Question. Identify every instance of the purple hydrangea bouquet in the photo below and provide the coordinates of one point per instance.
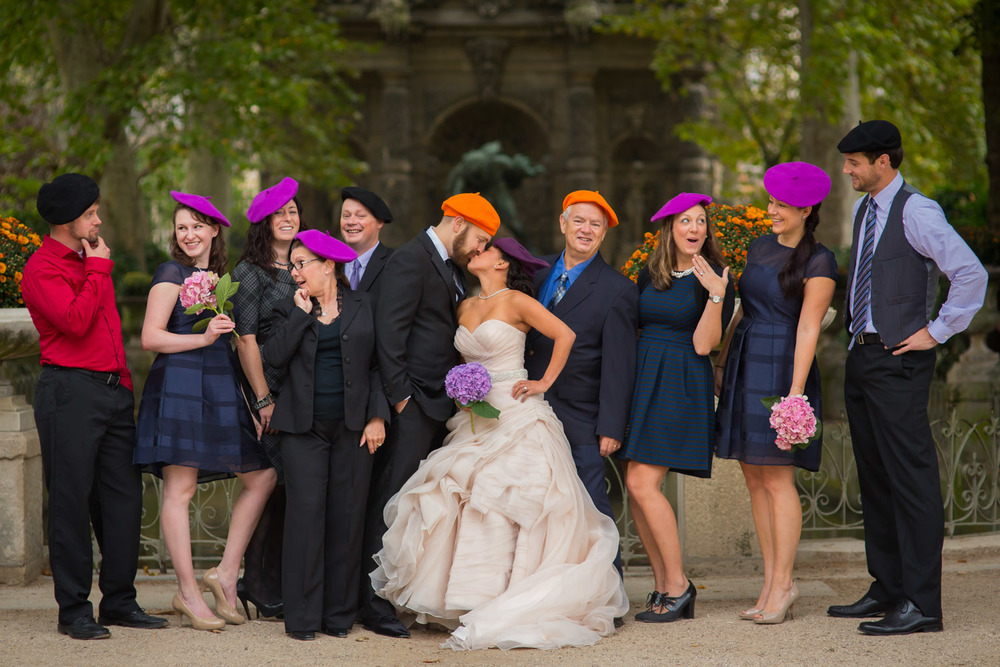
(468, 385)
(205, 290)
(794, 420)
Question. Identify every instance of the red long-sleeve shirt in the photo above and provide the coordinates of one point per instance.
(72, 304)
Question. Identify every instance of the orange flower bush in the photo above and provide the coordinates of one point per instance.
(17, 242)
(735, 228)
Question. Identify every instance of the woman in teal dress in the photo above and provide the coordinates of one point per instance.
(785, 291)
(684, 304)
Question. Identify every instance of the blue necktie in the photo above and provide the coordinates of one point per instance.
(863, 276)
(560, 290)
(355, 272)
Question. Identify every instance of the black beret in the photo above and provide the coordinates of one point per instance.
(871, 135)
(370, 200)
(66, 198)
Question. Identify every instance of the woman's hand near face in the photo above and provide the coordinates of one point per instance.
(301, 298)
(709, 279)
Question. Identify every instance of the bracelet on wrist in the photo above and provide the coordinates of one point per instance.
(264, 402)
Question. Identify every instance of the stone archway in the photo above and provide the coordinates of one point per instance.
(470, 125)
(639, 179)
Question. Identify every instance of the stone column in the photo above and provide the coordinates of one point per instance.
(20, 490)
(715, 521)
(977, 369)
(397, 166)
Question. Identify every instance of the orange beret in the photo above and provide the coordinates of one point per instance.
(473, 208)
(591, 197)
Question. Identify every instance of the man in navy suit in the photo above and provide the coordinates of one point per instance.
(593, 393)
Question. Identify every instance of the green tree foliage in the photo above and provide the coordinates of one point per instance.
(128, 90)
(917, 65)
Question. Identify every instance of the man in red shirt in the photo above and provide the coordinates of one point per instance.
(84, 413)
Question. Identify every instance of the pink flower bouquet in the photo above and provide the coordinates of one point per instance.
(205, 290)
(468, 385)
(794, 420)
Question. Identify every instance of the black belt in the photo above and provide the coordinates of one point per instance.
(113, 379)
(868, 339)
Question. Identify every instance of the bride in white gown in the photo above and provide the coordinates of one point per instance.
(495, 537)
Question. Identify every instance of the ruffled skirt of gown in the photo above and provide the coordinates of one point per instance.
(495, 537)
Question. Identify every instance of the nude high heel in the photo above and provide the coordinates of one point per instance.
(197, 622)
(210, 582)
(787, 610)
(748, 614)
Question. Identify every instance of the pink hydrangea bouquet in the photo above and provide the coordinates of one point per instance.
(468, 385)
(205, 290)
(794, 420)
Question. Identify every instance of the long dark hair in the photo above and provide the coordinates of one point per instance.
(517, 277)
(663, 259)
(793, 273)
(217, 257)
(259, 248)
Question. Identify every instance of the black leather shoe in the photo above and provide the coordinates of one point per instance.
(84, 627)
(137, 619)
(302, 635)
(866, 607)
(389, 626)
(905, 619)
(619, 621)
(681, 606)
(335, 632)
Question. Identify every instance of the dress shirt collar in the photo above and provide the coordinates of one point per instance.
(437, 244)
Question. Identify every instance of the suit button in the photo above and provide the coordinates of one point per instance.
(344, 337)
(347, 360)
(531, 353)
(348, 383)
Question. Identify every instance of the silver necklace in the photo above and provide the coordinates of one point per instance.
(494, 293)
(681, 274)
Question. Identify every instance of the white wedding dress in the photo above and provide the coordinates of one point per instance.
(495, 537)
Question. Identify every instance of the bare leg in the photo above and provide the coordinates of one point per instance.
(760, 506)
(257, 487)
(179, 483)
(786, 528)
(642, 527)
(643, 481)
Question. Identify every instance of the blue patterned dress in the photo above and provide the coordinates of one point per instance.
(761, 359)
(672, 420)
(193, 412)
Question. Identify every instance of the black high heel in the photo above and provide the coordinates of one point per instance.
(681, 606)
(274, 610)
(653, 600)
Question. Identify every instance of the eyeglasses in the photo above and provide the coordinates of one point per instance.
(299, 265)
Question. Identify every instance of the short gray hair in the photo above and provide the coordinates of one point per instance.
(565, 214)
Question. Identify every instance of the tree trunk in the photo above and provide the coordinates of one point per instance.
(989, 37)
(820, 136)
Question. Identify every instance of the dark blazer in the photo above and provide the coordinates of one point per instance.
(371, 282)
(416, 321)
(292, 344)
(601, 307)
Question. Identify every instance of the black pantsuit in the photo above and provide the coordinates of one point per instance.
(326, 475)
(886, 400)
(86, 430)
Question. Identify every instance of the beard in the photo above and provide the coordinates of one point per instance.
(460, 254)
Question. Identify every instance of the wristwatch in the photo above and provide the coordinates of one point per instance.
(264, 402)
(715, 298)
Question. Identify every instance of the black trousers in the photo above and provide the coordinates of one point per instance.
(326, 485)
(897, 463)
(411, 437)
(86, 430)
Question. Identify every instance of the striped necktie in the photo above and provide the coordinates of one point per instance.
(560, 290)
(863, 275)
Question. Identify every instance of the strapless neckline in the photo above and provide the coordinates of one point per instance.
(472, 332)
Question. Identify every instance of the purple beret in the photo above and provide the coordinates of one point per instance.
(797, 183)
(528, 262)
(271, 199)
(323, 245)
(200, 204)
(681, 203)
(66, 198)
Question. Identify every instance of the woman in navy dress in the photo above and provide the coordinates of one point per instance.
(193, 417)
(785, 291)
(265, 279)
(685, 301)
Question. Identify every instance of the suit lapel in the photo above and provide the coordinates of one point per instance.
(375, 265)
(446, 275)
(581, 287)
(350, 308)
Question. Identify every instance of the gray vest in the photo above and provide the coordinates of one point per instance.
(904, 282)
